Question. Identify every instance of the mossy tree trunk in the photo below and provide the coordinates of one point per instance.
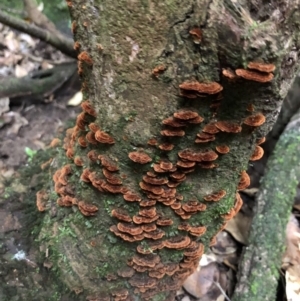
(120, 44)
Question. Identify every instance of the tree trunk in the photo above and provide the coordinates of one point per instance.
(133, 58)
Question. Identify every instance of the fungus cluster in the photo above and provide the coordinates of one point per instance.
(256, 71)
(148, 226)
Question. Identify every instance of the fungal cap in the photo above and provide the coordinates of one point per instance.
(244, 181)
(263, 67)
(185, 115)
(216, 196)
(196, 34)
(211, 128)
(229, 73)
(228, 126)
(139, 157)
(222, 149)
(166, 146)
(255, 120)
(254, 75)
(172, 133)
(121, 214)
(103, 137)
(131, 197)
(178, 242)
(206, 88)
(257, 154)
(170, 121)
(260, 140)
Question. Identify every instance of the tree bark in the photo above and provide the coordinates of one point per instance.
(122, 44)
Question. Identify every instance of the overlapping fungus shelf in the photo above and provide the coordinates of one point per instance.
(152, 142)
(178, 242)
(139, 157)
(166, 146)
(155, 180)
(255, 120)
(257, 154)
(108, 163)
(121, 214)
(262, 67)
(197, 231)
(87, 209)
(84, 57)
(228, 126)
(185, 115)
(93, 155)
(172, 133)
(254, 75)
(173, 122)
(211, 128)
(244, 181)
(205, 88)
(104, 138)
(90, 137)
(260, 140)
(215, 197)
(222, 149)
(158, 70)
(88, 108)
(204, 138)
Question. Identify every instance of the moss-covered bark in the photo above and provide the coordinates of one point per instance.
(260, 267)
(120, 45)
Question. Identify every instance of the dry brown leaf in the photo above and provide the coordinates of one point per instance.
(292, 279)
(239, 227)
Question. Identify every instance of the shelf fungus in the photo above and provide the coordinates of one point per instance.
(262, 67)
(255, 120)
(108, 163)
(178, 242)
(103, 137)
(260, 141)
(87, 209)
(166, 146)
(172, 133)
(210, 128)
(204, 138)
(90, 137)
(215, 197)
(257, 154)
(84, 57)
(230, 74)
(185, 115)
(158, 70)
(203, 88)
(244, 181)
(222, 149)
(196, 34)
(121, 214)
(254, 75)
(139, 157)
(41, 200)
(88, 108)
(228, 126)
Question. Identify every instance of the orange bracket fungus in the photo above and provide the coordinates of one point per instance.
(139, 157)
(228, 126)
(196, 33)
(262, 67)
(222, 149)
(257, 154)
(244, 181)
(103, 137)
(255, 120)
(205, 88)
(254, 75)
(84, 57)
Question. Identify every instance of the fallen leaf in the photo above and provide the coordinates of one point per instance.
(75, 100)
(239, 227)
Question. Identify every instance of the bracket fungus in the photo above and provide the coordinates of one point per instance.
(204, 88)
(244, 181)
(84, 57)
(262, 67)
(254, 75)
(139, 157)
(216, 196)
(255, 120)
(222, 149)
(185, 115)
(103, 137)
(173, 133)
(228, 127)
(257, 154)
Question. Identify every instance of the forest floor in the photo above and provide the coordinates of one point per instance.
(28, 126)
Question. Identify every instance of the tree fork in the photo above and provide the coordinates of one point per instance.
(133, 59)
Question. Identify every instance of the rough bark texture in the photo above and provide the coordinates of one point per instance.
(259, 268)
(120, 44)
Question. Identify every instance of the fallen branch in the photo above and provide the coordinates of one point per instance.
(259, 268)
(62, 43)
(37, 85)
